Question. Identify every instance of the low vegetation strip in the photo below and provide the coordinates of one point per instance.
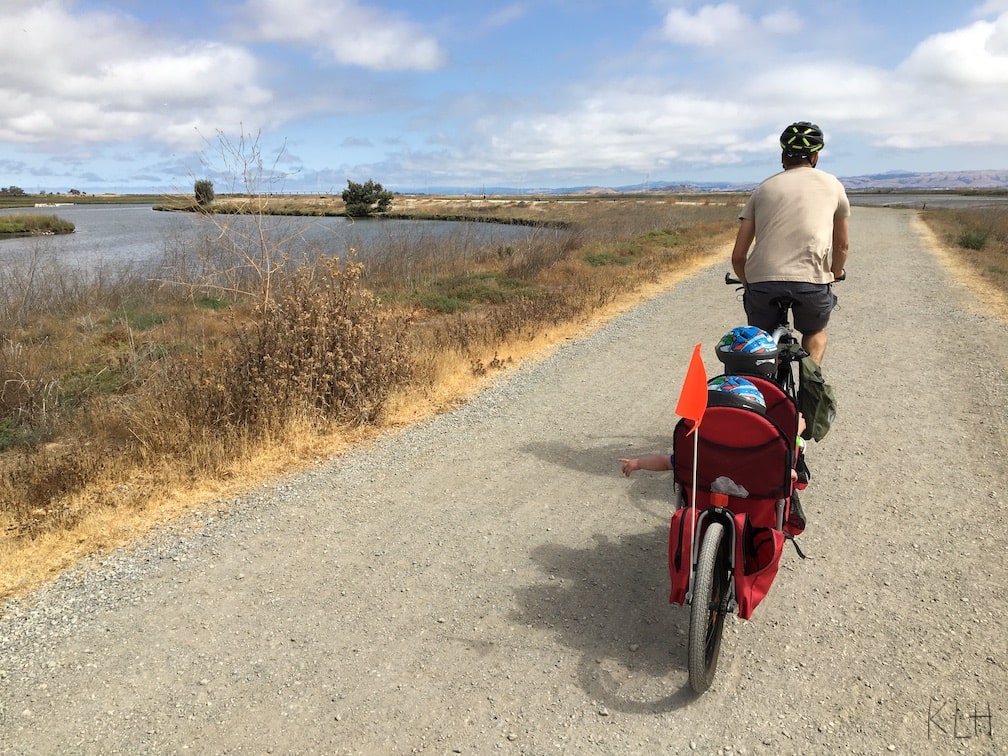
(26, 224)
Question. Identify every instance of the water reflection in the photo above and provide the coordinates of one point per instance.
(120, 236)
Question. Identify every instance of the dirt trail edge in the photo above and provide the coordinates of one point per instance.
(489, 581)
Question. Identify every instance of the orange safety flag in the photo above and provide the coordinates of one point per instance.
(693, 397)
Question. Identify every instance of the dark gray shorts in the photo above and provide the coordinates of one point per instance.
(811, 311)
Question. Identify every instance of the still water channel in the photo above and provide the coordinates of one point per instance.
(924, 200)
(116, 236)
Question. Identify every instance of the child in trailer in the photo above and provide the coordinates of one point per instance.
(737, 391)
(750, 352)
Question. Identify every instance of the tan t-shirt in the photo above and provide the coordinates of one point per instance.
(794, 212)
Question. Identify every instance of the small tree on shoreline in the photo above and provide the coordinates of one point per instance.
(362, 200)
(204, 191)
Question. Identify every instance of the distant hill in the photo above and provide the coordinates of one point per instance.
(904, 180)
(889, 181)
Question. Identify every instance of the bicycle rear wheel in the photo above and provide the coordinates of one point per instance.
(708, 606)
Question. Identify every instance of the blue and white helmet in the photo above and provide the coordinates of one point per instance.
(748, 350)
(735, 391)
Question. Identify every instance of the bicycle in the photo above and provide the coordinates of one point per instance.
(735, 508)
(782, 335)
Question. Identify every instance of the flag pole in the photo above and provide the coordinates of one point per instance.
(693, 513)
(691, 406)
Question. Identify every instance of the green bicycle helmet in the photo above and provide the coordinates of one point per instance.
(801, 140)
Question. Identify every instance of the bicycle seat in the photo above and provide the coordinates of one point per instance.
(784, 302)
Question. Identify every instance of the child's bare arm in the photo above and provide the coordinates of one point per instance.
(654, 463)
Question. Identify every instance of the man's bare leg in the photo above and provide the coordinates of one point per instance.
(815, 345)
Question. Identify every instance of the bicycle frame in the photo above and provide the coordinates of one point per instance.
(783, 335)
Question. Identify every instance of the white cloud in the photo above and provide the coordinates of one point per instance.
(949, 91)
(97, 77)
(627, 127)
(707, 27)
(973, 57)
(998, 43)
(724, 24)
(347, 32)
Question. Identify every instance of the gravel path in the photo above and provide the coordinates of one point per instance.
(488, 581)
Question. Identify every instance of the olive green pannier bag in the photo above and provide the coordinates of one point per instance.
(816, 400)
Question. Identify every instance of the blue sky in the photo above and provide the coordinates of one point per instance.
(302, 95)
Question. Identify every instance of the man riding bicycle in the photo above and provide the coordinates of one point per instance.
(798, 219)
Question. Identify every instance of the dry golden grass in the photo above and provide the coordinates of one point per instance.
(104, 474)
(974, 244)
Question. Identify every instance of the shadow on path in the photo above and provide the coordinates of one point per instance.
(609, 603)
(646, 491)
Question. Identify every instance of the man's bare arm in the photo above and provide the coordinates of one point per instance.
(839, 246)
(743, 240)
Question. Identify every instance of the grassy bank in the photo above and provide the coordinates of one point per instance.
(979, 239)
(28, 224)
(131, 396)
(30, 200)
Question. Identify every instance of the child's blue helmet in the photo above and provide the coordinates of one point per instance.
(735, 391)
(748, 350)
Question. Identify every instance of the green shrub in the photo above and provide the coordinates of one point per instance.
(973, 239)
(362, 200)
(440, 303)
(141, 320)
(8, 433)
(458, 293)
(485, 287)
(77, 386)
(203, 189)
(665, 238)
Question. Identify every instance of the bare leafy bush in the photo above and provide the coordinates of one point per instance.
(321, 352)
(322, 346)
